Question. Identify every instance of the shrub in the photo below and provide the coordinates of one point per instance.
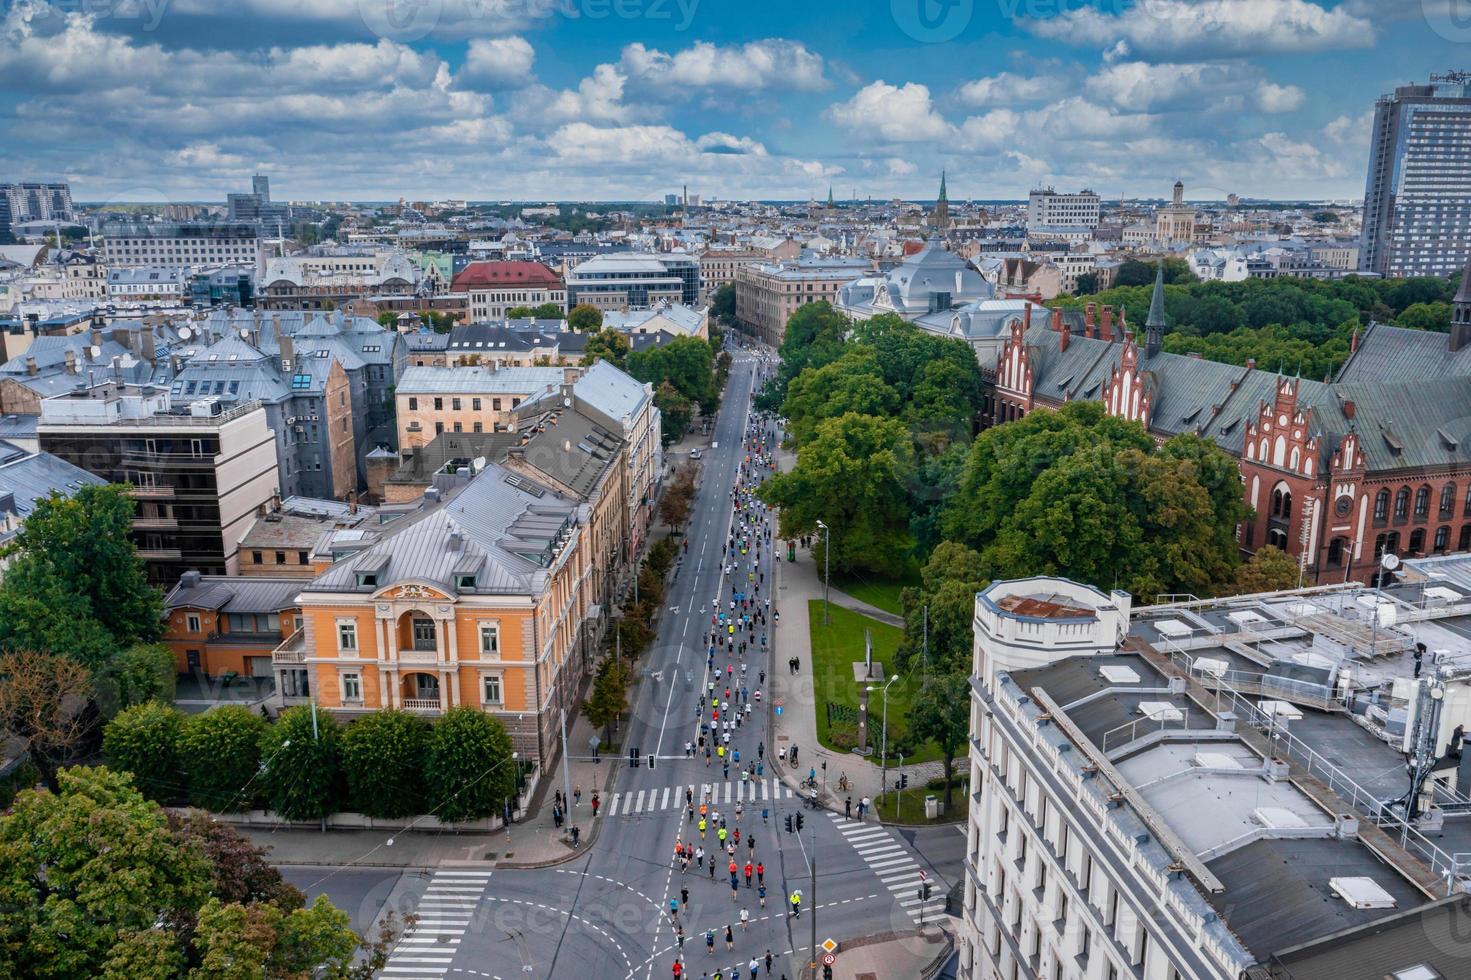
(144, 740)
(142, 672)
(219, 752)
(301, 764)
(467, 766)
(383, 760)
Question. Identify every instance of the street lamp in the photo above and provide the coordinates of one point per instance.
(827, 554)
(884, 739)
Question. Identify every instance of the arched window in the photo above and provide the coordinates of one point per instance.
(1335, 551)
(1277, 537)
(1464, 542)
(1447, 498)
(1379, 543)
(1402, 504)
(1392, 544)
(1442, 539)
(1422, 502)
(1381, 505)
(1417, 541)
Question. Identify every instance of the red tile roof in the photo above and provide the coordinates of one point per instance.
(484, 275)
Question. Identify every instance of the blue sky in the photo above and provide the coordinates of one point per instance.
(630, 99)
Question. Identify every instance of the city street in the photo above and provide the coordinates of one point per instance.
(607, 912)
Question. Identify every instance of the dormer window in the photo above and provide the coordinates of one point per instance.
(465, 583)
(367, 580)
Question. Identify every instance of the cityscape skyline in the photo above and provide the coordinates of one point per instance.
(569, 101)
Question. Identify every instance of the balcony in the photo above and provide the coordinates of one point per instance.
(421, 704)
(155, 524)
(160, 554)
(292, 650)
(152, 493)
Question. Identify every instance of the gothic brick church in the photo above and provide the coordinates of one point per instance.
(1338, 473)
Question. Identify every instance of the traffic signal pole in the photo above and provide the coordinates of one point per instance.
(813, 864)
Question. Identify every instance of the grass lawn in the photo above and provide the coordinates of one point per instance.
(879, 592)
(835, 648)
(913, 805)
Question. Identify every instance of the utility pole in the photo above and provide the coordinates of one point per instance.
(566, 767)
(813, 883)
(316, 736)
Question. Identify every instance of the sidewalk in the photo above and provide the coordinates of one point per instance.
(917, 953)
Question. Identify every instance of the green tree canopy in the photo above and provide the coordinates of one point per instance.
(468, 769)
(301, 755)
(723, 304)
(1269, 570)
(584, 317)
(941, 714)
(1079, 494)
(853, 382)
(815, 334)
(143, 740)
(75, 584)
(939, 614)
(219, 752)
(850, 475)
(383, 755)
(606, 345)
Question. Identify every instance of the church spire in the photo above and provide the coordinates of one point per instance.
(829, 197)
(940, 216)
(942, 196)
(1154, 326)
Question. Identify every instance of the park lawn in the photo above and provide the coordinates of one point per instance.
(835, 648)
(878, 592)
(889, 811)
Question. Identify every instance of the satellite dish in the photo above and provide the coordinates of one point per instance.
(1389, 562)
(185, 333)
(95, 351)
(244, 334)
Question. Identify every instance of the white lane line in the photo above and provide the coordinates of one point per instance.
(639, 806)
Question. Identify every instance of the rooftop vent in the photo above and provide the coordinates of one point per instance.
(1116, 674)
(1276, 818)
(1361, 893)
(1160, 711)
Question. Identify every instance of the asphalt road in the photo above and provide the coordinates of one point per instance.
(606, 914)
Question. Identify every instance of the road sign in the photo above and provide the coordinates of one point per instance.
(829, 946)
(778, 709)
(828, 959)
(594, 741)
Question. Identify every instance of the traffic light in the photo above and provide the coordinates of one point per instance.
(789, 823)
(799, 821)
(827, 972)
(651, 760)
(924, 890)
(903, 780)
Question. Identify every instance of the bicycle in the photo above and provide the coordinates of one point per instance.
(809, 783)
(843, 782)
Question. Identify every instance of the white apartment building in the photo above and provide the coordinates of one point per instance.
(1149, 802)
(1046, 207)
(180, 245)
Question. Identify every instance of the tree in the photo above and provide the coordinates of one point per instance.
(1087, 284)
(1269, 570)
(83, 868)
(219, 753)
(74, 566)
(940, 713)
(468, 769)
(939, 615)
(584, 317)
(239, 870)
(383, 758)
(606, 345)
(853, 382)
(143, 740)
(548, 311)
(44, 701)
(301, 753)
(264, 940)
(679, 497)
(1134, 272)
(723, 304)
(1426, 316)
(675, 412)
(850, 476)
(609, 697)
(815, 334)
(143, 672)
(519, 313)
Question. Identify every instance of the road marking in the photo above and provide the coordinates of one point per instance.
(664, 803)
(445, 910)
(640, 804)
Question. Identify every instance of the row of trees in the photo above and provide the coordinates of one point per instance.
(389, 764)
(100, 882)
(1299, 325)
(686, 374)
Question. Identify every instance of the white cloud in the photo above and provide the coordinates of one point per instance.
(726, 143)
(991, 131)
(899, 168)
(599, 97)
(1222, 27)
(1279, 98)
(1006, 89)
(897, 114)
(204, 155)
(773, 63)
(1140, 87)
(500, 61)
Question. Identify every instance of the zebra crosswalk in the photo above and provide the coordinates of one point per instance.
(891, 861)
(426, 951)
(719, 794)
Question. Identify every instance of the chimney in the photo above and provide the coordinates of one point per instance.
(570, 375)
(96, 336)
(1027, 318)
(1251, 364)
(31, 368)
(146, 341)
(71, 361)
(352, 501)
(276, 325)
(1089, 311)
(288, 350)
(1353, 341)
(1057, 320)
(1064, 336)
(1105, 328)
(1348, 409)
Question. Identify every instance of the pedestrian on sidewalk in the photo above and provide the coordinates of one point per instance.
(848, 808)
(577, 795)
(595, 803)
(556, 816)
(768, 962)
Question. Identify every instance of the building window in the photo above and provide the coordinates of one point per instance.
(193, 623)
(301, 558)
(1422, 501)
(413, 404)
(255, 557)
(280, 558)
(1402, 504)
(1448, 498)
(352, 687)
(1335, 551)
(1417, 541)
(490, 639)
(439, 404)
(1442, 539)
(491, 687)
(454, 403)
(347, 634)
(1381, 505)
